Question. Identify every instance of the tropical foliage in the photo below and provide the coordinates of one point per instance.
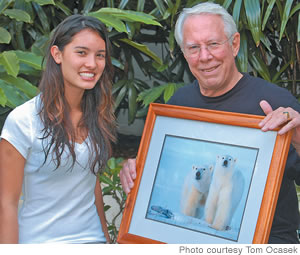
(112, 191)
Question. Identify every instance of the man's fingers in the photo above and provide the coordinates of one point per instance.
(128, 174)
(266, 107)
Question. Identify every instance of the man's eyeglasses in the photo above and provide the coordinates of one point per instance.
(194, 50)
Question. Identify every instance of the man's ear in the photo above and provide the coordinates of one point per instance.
(236, 44)
(56, 54)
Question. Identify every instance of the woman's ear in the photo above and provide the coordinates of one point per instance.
(56, 54)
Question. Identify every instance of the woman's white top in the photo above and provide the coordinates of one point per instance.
(58, 204)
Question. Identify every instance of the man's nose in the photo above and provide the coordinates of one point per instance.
(204, 53)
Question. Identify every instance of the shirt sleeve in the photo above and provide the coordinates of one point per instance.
(17, 130)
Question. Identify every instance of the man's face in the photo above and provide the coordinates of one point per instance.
(213, 64)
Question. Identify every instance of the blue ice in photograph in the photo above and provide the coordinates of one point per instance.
(178, 157)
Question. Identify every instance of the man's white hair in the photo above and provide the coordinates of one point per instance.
(205, 8)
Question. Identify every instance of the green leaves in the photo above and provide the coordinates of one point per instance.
(18, 15)
(42, 2)
(16, 90)
(115, 18)
(285, 16)
(127, 91)
(110, 178)
(143, 48)
(10, 62)
(151, 95)
(4, 36)
(253, 14)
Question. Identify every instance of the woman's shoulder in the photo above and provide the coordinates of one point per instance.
(26, 112)
(28, 108)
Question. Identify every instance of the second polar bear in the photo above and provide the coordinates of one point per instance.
(223, 196)
(195, 190)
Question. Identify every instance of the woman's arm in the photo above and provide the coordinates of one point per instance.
(11, 179)
(100, 208)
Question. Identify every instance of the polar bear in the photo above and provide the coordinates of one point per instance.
(224, 194)
(195, 190)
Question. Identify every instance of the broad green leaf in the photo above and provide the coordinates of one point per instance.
(4, 4)
(169, 91)
(130, 15)
(150, 95)
(174, 12)
(242, 56)
(274, 79)
(30, 59)
(18, 15)
(120, 96)
(254, 19)
(19, 35)
(132, 104)
(143, 48)
(10, 62)
(3, 98)
(63, 8)
(171, 41)
(109, 20)
(265, 40)
(39, 47)
(13, 95)
(42, 2)
(106, 180)
(226, 4)
(118, 85)
(259, 65)
(141, 112)
(42, 17)
(111, 163)
(295, 9)
(4, 36)
(285, 17)
(28, 70)
(267, 13)
(106, 190)
(21, 84)
(236, 12)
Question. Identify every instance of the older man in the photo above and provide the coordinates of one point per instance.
(210, 42)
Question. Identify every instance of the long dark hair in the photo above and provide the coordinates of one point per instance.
(97, 103)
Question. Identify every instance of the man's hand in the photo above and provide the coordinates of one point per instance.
(287, 117)
(128, 175)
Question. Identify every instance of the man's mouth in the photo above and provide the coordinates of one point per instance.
(209, 69)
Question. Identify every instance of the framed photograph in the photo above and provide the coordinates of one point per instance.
(204, 176)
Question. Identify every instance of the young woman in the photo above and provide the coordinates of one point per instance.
(53, 146)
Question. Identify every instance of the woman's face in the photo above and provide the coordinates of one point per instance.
(82, 61)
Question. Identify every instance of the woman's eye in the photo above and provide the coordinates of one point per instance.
(101, 55)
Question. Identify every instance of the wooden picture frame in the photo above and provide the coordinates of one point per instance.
(174, 139)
